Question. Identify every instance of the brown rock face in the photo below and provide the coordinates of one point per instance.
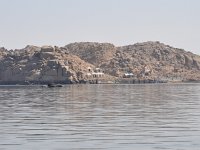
(94, 53)
(162, 61)
(148, 60)
(41, 65)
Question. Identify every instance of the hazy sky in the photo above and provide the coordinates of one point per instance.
(121, 22)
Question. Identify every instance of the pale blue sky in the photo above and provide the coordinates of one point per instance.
(121, 22)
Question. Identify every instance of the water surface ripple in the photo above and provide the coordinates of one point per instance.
(102, 117)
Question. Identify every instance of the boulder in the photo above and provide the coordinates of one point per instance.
(45, 49)
(47, 55)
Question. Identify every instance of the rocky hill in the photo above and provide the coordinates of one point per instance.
(94, 53)
(68, 64)
(150, 60)
(40, 65)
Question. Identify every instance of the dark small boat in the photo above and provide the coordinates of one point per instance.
(51, 85)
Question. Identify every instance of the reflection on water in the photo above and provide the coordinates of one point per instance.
(114, 117)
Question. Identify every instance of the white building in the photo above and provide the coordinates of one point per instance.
(96, 73)
(128, 75)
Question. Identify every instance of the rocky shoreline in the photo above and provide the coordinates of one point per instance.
(96, 81)
(89, 62)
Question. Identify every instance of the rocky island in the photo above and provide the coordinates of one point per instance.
(98, 63)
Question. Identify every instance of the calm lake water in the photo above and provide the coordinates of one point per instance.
(100, 117)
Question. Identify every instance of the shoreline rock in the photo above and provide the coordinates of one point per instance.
(146, 61)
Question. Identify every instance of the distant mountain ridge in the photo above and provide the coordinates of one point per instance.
(147, 60)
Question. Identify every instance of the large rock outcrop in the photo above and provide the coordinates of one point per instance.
(94, 53)
(148, 60)
(145, 60)
(41, 65)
